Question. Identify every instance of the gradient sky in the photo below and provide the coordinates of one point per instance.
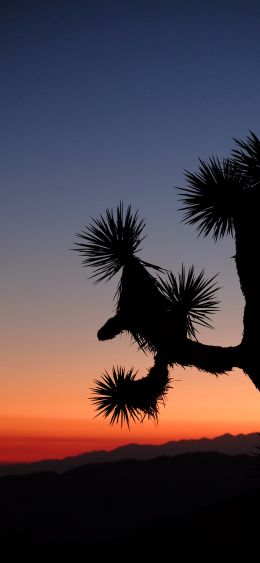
(102, 102)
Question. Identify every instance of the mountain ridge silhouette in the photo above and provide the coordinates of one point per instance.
(227, 443)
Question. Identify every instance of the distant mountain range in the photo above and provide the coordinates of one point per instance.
(227, 444)
(185, 504)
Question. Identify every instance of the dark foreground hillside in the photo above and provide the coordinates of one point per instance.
(132, 509)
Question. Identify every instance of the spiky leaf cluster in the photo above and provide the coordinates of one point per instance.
(110, 241)
(191, 298)
(247, 157)
(210, 198)
(122, 398)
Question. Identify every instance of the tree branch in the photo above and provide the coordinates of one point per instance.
(213, 359)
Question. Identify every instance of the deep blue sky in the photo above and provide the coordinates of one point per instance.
(102, 102)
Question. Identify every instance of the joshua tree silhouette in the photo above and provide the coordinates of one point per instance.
(161, 310)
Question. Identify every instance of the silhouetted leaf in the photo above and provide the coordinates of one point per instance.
(211, 195)
(247, 157)
(191, 298)
(111, 242)
(122, 397)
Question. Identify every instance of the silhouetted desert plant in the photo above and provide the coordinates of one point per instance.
(161, 310)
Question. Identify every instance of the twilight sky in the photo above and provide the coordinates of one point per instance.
(103, 101)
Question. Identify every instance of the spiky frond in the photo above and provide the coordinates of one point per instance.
(209, 199)
(112, 395)
(191, 297)
(248, 158)
(110, 241)
(123, 398)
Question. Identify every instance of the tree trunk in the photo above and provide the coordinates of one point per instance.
(247, 260)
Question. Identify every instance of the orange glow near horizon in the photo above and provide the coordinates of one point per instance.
(26, 448)
(199, 405)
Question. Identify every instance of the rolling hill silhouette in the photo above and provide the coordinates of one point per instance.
(143, 505)
(227, 444)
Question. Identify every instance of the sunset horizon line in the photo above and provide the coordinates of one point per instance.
(29, 454)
